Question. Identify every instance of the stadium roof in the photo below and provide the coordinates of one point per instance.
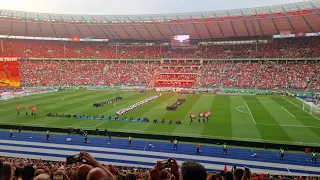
(302, 17)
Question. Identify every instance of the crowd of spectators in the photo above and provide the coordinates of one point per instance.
(188, 73)
(74, 73)
(261, 75)
(90, 169)
(240, 74)
(282, 48)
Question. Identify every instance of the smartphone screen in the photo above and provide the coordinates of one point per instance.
(74, 159)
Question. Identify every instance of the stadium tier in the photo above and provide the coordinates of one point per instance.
(260, 75)
(276, 48)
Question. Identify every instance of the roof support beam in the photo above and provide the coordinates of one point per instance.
(77, 26)
(288, 20)
(65, 27)
(205, 23)
(181, 26)
(124, 29)
(25, 21)
(245, 24)
(158, 28)
(145, 27)
(88, 27)
(168, 25)
(274, 23)
(137, 31)
(54, 31)
(111, 29)
(259, 23)
(195, 26)
(11, 24)
(219, 25)
(317, 12)
(232, 25)
(39, 24)
(114, 32)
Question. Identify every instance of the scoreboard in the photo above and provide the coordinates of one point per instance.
(180, 40)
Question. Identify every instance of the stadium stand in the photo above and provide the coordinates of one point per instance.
(277, 48)
(260, 75)
(73, 73)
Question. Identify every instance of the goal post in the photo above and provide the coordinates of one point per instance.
(315, 110)
(309, 107)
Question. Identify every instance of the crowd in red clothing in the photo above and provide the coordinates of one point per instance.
(74, 73)
(283, 48)
(267, 75)
(260, 75)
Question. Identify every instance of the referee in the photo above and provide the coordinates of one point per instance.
(175, 144)
(198, 148)
(11, 132)
(86, 137)
(314, 157)
(281, 153)
(129, 141)
(48, 135)
(225, 146)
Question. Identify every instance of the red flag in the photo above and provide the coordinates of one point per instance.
(75, 38)
(225, 168)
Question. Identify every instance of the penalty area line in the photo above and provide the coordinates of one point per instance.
(287, 111)
(300, 108)
(250, 112)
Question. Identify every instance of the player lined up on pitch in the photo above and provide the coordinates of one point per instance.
(204, 115)
(33, 110)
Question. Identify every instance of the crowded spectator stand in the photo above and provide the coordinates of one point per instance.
(178, 73)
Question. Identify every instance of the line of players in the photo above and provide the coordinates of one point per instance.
(175, 144)
(33, 110)
(204, 115)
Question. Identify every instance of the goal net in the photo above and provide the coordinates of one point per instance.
(312, 108)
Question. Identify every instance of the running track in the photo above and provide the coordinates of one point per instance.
(140, 154)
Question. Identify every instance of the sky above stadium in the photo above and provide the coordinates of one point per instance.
(121, 7)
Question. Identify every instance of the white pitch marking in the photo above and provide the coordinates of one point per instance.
(287, 111)
(240, 110)
(250, 111)
(300, 108)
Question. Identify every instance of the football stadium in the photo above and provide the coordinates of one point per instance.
(134, 96)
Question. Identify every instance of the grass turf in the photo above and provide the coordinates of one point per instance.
(239, 117)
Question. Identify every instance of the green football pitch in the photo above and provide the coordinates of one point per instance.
(274, 119)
